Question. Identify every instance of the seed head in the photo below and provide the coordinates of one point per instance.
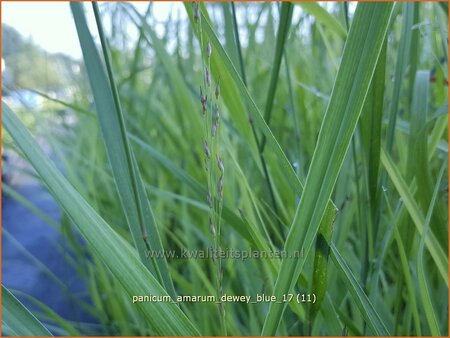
(208, 49)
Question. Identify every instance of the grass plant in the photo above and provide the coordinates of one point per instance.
(292, 127)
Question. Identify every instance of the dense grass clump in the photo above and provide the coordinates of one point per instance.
(250, 168)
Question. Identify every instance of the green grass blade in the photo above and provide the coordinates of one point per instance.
(370, 315)
(417, 147)
(35, 261)
(371, 120)
(229, 27)
(405, 267)
(17, 319)
(328, 311)
(285, 21)
(418, 164)
(361, 52)
(414, 53)
(138, 51)
(437, 132)
(282, 35)
(6, 189)
(402, 60)
(50, 314)
(424, 291)
(320, 270)
(238, 43)
(295, 114)
(435, 249)
(164, 318)
(325, 18)
(126, 173)
(370, 135)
